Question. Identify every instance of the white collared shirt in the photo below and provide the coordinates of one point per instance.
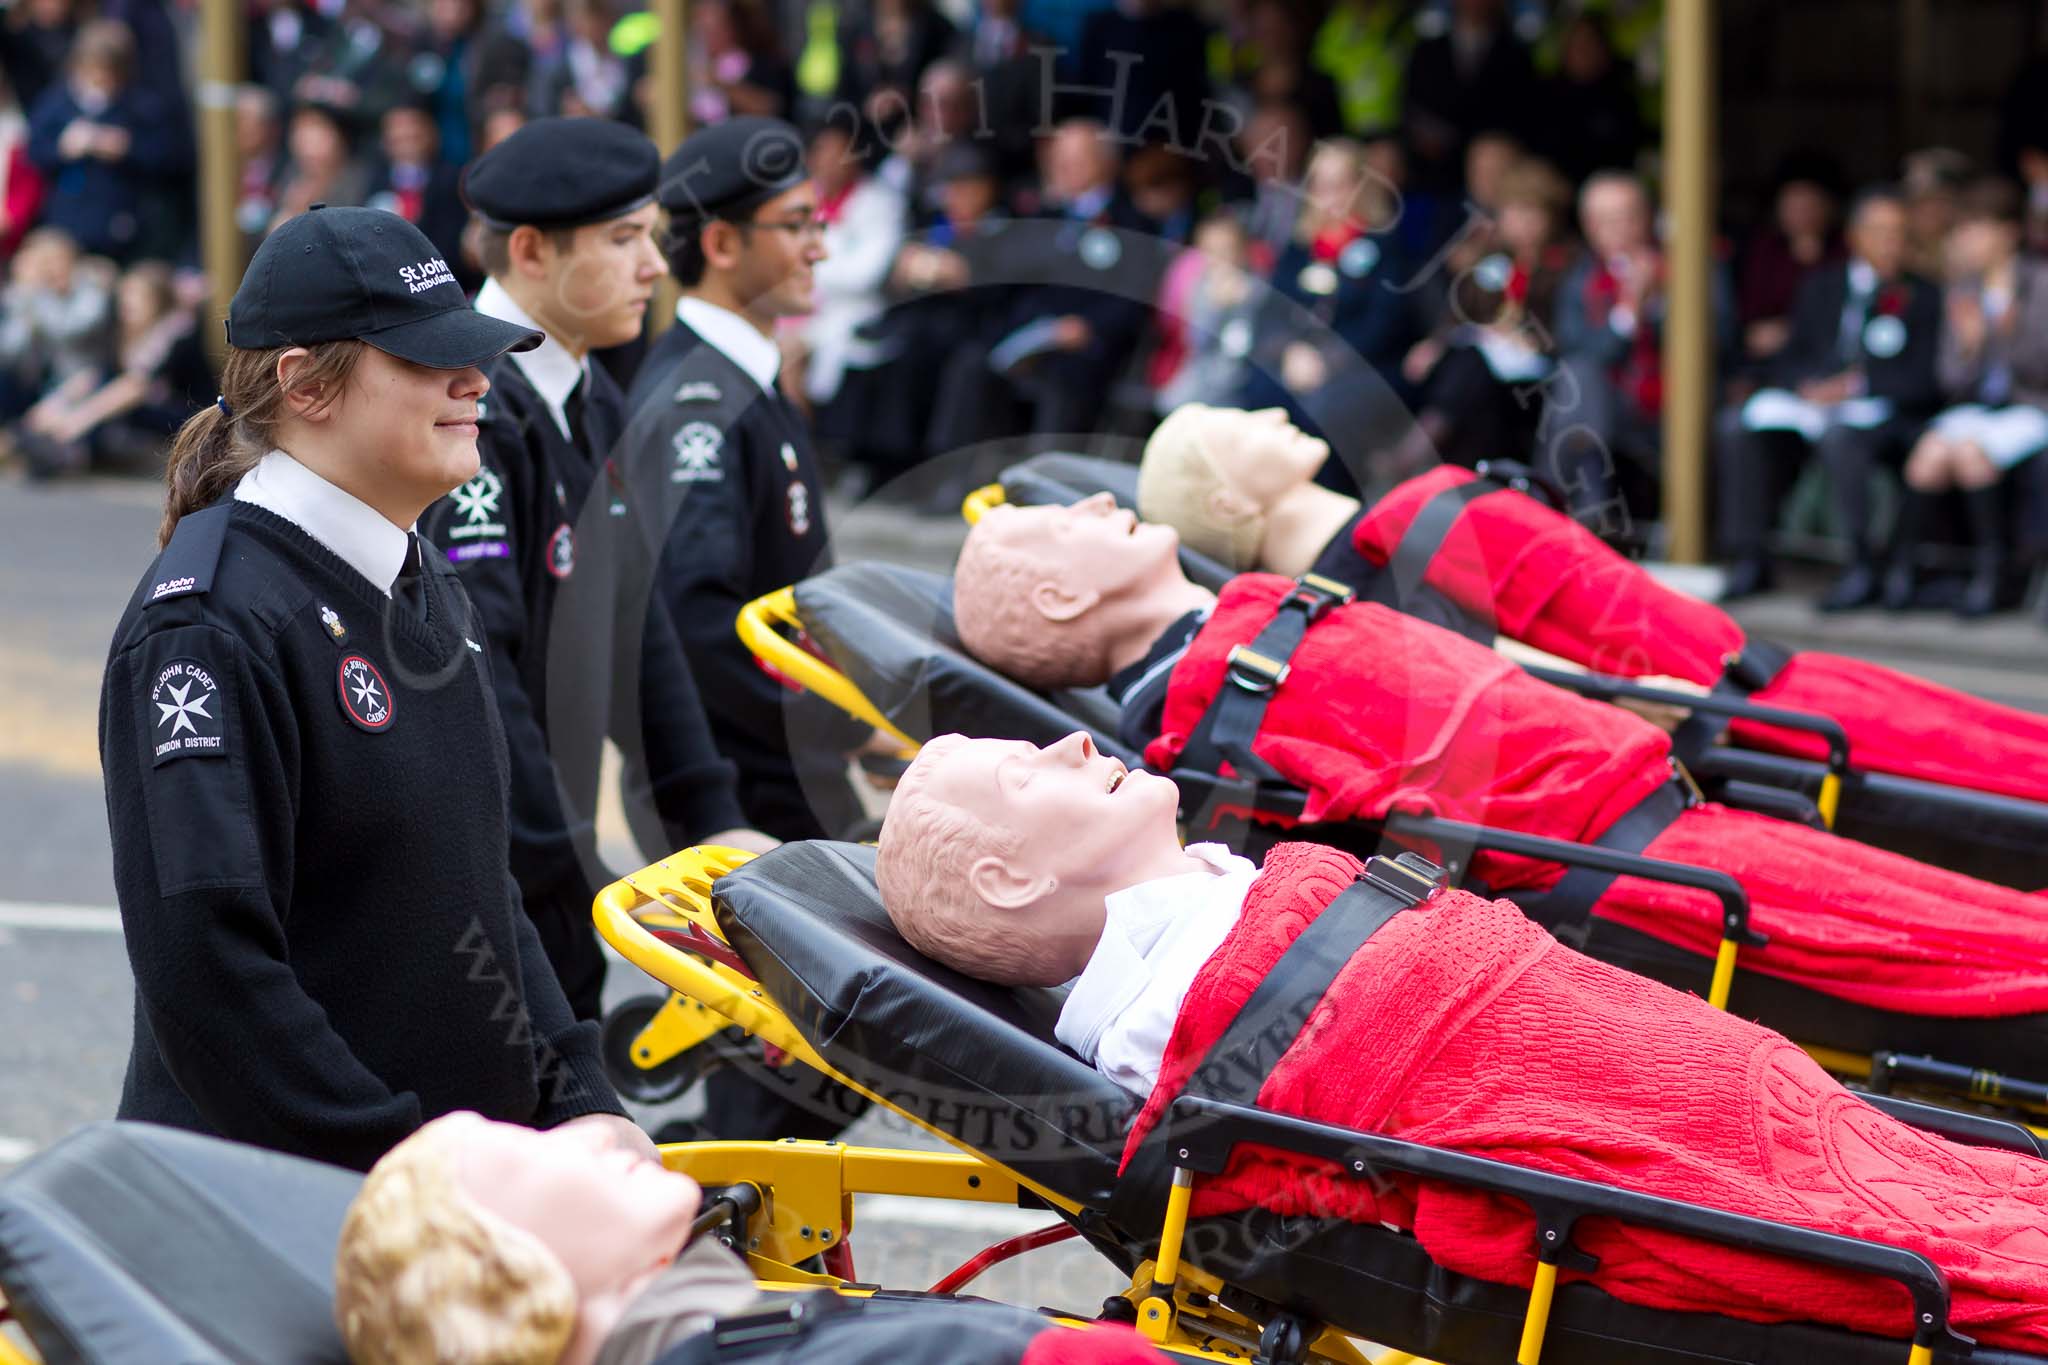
(366, 541)
(742, 344)
(549, 367)
(1155, 937)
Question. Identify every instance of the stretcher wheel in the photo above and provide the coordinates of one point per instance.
(659, 1084)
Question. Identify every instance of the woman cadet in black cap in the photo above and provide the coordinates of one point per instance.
(306, 778)
(548, 542)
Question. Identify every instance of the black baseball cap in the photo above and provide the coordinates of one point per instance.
(356, 274)
(562, 173)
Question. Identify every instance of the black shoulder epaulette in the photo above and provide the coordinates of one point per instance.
(187, 565)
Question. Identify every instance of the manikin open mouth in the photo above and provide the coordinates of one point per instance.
(1117, 778)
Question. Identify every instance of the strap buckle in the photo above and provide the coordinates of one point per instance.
(1315, 595)
(1409, 876)
(1254, 672)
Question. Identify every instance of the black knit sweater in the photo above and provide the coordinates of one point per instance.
(306, 783)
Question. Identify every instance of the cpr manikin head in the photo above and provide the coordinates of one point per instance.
(474, 1242)
(996, 854)
(1215, 474)
(1050, 595)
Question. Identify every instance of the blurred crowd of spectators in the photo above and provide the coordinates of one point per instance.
(1427, 228)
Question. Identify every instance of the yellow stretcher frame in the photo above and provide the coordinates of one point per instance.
(807, 1187)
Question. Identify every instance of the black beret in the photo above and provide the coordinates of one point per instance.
(731, 168)
(562, 173)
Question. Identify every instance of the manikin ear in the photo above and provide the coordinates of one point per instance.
(996, 883)
(1228, 507)
(1057, 602)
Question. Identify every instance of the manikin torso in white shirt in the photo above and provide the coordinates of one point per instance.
(1155, 937)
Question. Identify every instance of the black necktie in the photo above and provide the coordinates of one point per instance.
(407, 590)
(573, 409)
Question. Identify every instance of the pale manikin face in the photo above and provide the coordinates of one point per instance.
(1093, 551)
(1259, 458)
(1082, 824)
(611, 1217)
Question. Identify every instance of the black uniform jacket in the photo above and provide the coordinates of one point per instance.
(544, 540)
(743, 512)
(306, 788)
(1895, 347)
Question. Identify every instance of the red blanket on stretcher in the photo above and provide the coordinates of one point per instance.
(1547, 581)
(1462, 1025)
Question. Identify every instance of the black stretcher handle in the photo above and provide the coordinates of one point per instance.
(1600, 687)
(1971, 1130)
(1201, 1134)
(1734, 900)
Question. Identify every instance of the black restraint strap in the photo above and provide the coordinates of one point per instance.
(1236, 1067)
(1751, 671)
(1251, 677)
(1267, 1024)
(1566, 908)
(1424, 537)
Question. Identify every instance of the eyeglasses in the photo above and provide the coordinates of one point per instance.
(807, 227)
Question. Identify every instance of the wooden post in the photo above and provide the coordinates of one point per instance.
(1689, 324)
(220, 163)
(669, 70)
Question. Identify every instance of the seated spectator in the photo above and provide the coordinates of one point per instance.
(37, 44)
(1271, 152)
(412, 180)
(53, 319)
(1363, 47)
(1474, 76)
(22, 188)
(1853, 385)
(1208, 308)
(320, 168)
(1331, 330)
(1602, 440)
(100, 139)
(947, 111)
(125, 414)
(1282, 72)
(998, 51)
(864, 221)
(1164, 93)
(353, 67)
(1994, 372)
(1063, 380)
(259, 141)
(734, 65)
(585, 78)
(1590, 118)
(1160, 183)
(1029, 866)
(883, 55)
(1478, 373)
(1933, 181)
(1801, 237)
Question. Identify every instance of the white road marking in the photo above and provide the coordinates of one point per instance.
(76, 919)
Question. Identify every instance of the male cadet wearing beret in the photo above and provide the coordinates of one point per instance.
(715, 441)
(713, 436)
(545, 540)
